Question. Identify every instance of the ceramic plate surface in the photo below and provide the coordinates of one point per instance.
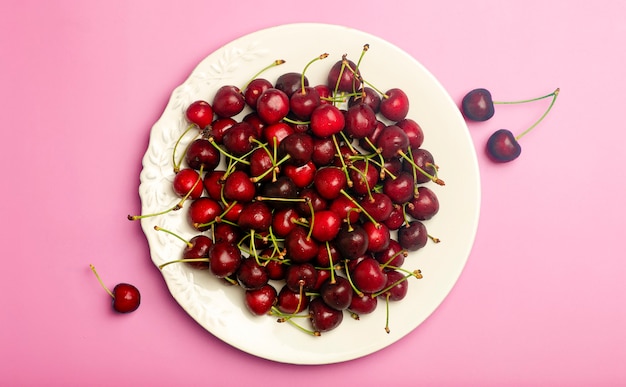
(220, 309)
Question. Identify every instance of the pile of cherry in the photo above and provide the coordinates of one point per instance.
(310, 202)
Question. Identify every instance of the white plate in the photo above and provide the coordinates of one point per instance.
(218, 308)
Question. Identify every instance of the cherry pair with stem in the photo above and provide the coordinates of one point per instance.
(502, 146)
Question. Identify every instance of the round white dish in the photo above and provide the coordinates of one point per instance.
(219, 308)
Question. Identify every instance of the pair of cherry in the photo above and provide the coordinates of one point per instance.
(502, 146)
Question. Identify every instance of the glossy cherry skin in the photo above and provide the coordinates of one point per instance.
(202, 211)
(352, 242)
(272, 106)
(477, 105)
(260, 301)
(502, 146)
(254, 89)
(368, 96)
(239, 187)
(391, 141)
(413, 130)
(228, 101)
(327, 120)
(325, 225)
(251, 275)
(238, 140)
(342, 78)
(291, 302)
(337, 294)
(363, 303)
(303, 175)
(394, 105)
(323, 317)
(200, 113)
(425, 205)
(255, 216)
(360, 121)
(368, 276)
(413, 236)
(188, 182)
(298, 147)
(329, 182)
(423, 159)
(225, 259)
(299, 247)
(290, 82)
(201, 153)
(378, 236)
(126, 298)
(301, 277)
(392, 255)
(399, 286)
(303, 102)
(401, 189)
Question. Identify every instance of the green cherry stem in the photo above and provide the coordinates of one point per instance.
(554, 94)
(526, 100)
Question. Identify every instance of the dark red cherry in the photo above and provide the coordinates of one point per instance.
(368, 96)
(502, 146)
(401, 189)
(299, 246)
(323, 151)
(225, 259)
(251, 275)
(284, 220)
(329, 182)
(290, 82)
(378, 236)
(364, 176)
(337, 294)
(378, 206)
(303, 102)
(352, 241)
(477, 105)
(254, 89)
(413, 236)
(399, 286)
(219, 127)
(323, 317)
(413, 130)
(291, 302)
(368, 276)
(391, 141)
(228, 101)
(423, 159)
(342, 78)
(393, 255)
(201, 153)
(126, 298)
(425, 205)
(298, 146)
(255, 216)
(238, 140)
(360, 121)
(198, 247)
(301, 277)
(363, 303)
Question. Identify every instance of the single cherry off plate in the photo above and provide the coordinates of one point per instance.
(220, 309)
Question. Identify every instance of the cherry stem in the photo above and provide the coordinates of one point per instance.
(275, 63)
(93, 268)
(230, 156)
(554, 94)
(175, 163)
(526, 100)
(431, 177)
(356, 290)
(157, 228)
(161, 266)
(323, 56)
(360, 208)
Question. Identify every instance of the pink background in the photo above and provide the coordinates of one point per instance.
(542, 300)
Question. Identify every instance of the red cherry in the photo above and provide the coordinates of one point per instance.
(368, 276)
(303, 175)
(239, 187)
(202, 211)
(198, 247)
(228, 101)
(272, 106)
(329, 181)
(326, 225)
(200, 113)
(188, 182)
(260, 301)
(323, 317)
(395, 105)
(126, 297)
(225, 259)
